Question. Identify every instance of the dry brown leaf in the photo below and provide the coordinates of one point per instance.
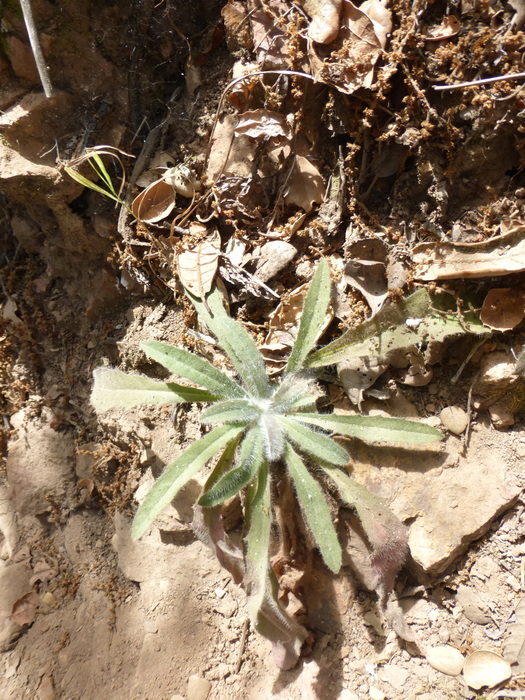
(326, 18)
(348, 62)
(503, 309)
(449, 28)
(155, 203)
(514, 644)
(268, 36)
(197, 265)
(305, 186)
(235, 25)
(485, 668)
(160, 162)
(41, 572)
(24, 609)
(381, 19)
(500, 255)
(283, 327)
(369, 277)
(263, 124)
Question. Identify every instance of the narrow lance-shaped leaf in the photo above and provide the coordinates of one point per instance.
(208, 523)
(386, 534)
(194, 368)
(318, 446)
(312, 318)
(232, 482)
(113, 389)
(178, 473)
(391, 329)
(373, 428)
(244, 355)
(236, 342)
(266, 613)
(230, 411)
(315, 510)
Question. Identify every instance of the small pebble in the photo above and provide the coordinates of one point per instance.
(446, 659)
(198, 688)
(454, 419)
(375, 693)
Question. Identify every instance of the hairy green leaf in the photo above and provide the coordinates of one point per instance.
(312, 317)
(194, 368)
(232, 482)
(113, 389)
(373, 428)
(315, 509)
(236, 342)
(413, 320)
(230, 411)
(317, 445)
(295, 393)
(178, 473)
(387, 535)
(266, 613)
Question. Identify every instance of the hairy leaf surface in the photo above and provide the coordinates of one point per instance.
(373, 428)
(317, 445)
(312, 318)
(232, 482)
(315, 509)
(192, 367)
(178, 473)
(113, 389)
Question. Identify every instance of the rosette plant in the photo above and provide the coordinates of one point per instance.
(260, 427)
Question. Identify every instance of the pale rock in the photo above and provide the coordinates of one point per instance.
(347, 695)
(394, 676)
(198, 688)
(274, 256)
(446, 659)
(14, 583)
(500, 415)
(454, 419)
(375, 693)
(473, 605)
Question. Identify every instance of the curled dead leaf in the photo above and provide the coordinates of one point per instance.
(305, 186)
(485, 668)
(155, 203)
(500, 255)
(263, 124)
(326, 18)
(446, 659)
(197, 265)
(381, 19)
(41, 572)
(450, 27)
(503, 309)
(24, 609)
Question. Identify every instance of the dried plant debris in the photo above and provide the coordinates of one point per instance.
(499, 255)
(514, 644)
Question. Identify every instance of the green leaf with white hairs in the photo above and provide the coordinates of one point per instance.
(244, 355)
(373, 428)
(194, 368)
(317, 445)
(312, 317)
(316, 510)
(236, 342)
(251, 461)
(114, 389)
(384, 531)
(266, 613)
(178, 473)
(230, 411)
(295, 393)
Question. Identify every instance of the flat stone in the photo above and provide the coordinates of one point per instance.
(198, 688)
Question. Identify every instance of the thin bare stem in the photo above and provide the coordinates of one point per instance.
(36, 47)
(482, 81)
